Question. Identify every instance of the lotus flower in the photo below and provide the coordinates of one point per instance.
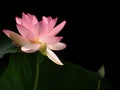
(38, 35)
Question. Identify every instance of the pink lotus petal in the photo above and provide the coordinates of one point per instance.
(44, 26)
(27, 21)
(30, 48)
(24, 16)
(32, 18)
(57, 29)
(16, 38)
(52, 24)
(52, 56)
(49, 18)
(26, 33)
(29, 16)
(49, 23)
(35, 21)
(50, 40)
(45, 19)
(39, 29)
(57, 46)
(18, 20)
(7, 32)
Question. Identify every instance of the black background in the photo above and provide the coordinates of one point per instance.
(87, 32)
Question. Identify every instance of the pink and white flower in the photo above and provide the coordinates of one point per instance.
(38, 35)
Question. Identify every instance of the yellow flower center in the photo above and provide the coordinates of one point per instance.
(43, 45)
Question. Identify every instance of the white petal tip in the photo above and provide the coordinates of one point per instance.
(52, 56)
(30, 48)
(64, 22)
(61, 64)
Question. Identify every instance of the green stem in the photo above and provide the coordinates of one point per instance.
(38, 62)
(99, 83)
